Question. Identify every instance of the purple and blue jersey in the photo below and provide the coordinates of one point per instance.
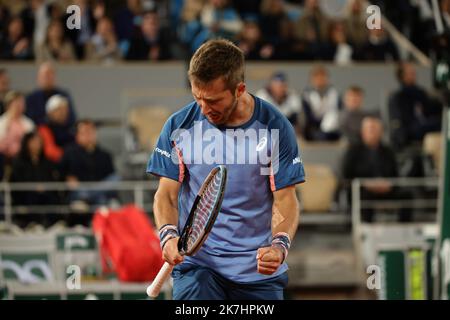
(261, 156)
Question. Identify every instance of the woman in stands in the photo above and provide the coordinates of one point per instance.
(31, 165)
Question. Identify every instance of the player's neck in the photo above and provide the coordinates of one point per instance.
(243, 112)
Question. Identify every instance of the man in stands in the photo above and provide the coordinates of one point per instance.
(85, 161)
(412, 112)
(47, 87)
(373, 159)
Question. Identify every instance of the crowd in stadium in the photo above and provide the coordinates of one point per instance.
(43, 139)
(150, 30)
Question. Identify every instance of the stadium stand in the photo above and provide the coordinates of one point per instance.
(114, 72)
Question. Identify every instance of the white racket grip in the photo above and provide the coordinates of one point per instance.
(154, 289)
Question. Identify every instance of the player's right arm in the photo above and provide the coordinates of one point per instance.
(165, 209)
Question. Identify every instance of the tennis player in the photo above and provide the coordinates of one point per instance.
(244, 255)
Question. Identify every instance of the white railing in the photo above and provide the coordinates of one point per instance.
(138, 189)
(391, 205)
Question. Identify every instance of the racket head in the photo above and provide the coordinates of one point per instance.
(204, 211)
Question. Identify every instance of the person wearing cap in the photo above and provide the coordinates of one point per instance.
(47, 87)
(277, 92)
(56, 134)
(13, 124)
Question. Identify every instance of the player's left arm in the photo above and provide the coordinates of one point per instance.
(285, 218)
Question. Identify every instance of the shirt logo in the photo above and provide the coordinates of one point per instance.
(261, 144)
(162, 152)
(297, 160)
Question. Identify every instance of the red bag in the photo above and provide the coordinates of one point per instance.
(129, 245)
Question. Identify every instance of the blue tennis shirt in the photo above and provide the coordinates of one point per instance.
(261, 156)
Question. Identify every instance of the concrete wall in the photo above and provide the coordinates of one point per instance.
(99, 90)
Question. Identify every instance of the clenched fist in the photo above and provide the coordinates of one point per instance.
(269, 259)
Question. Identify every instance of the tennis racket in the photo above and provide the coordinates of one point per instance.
(201, 218)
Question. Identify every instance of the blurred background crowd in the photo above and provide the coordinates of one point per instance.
(44, 138)
(153, 30)
(84, 107)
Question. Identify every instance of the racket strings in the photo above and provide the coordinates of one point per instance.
(204, 210)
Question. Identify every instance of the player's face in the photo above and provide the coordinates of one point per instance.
(216, 101)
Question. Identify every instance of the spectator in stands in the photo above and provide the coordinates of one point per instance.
(338, 50)
(321, 106)
(85, 161)
(373, 159)
(249, 9)
(217, 19)
(55, 133)
(103, 45)
(399, 13)
(276, 27)
(5, 15)
(13, 124)
(252, 43)
(190, 24)
(126, 20)
(312, 29)
(277, 92)
(47, 87)
(152, 42)
(35, 17)
(192, 9)
(15, 45)
(355, 24)
(378, 47)
(56, 47)
(31, 165)
(412, 112)
(80, 37)
(421, 26)
(352, 114)
(56, 11)
(4, 88)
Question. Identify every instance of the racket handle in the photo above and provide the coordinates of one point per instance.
(154, 289)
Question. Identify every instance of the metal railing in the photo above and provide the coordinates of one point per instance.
(358, 205)
(137, 189)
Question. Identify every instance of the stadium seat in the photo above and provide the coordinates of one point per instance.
(317, 195)
(147, 122)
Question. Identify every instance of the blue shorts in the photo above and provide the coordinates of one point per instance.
(193, 282)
